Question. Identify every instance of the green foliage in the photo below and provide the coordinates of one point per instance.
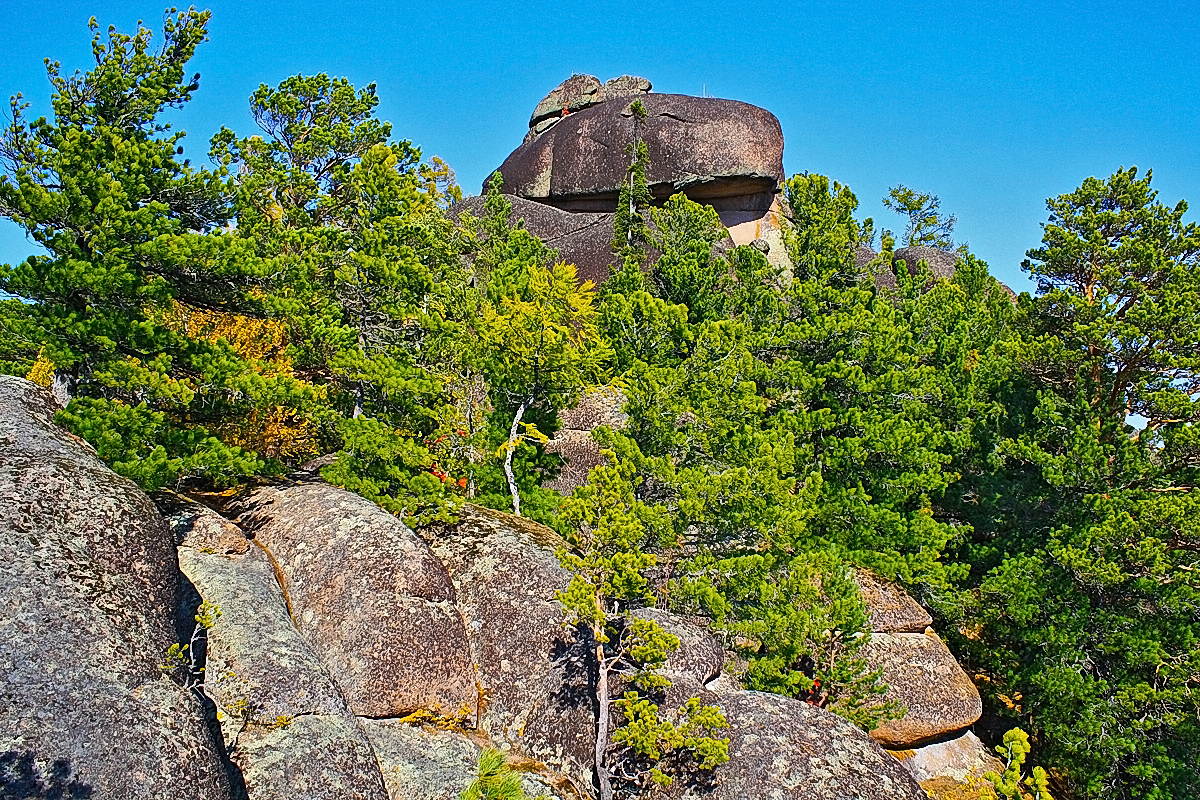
(1084, 592)
(130, 232)
(659, 750)
(615, 532)
(630, 234)
(495, 780)
(366, 278)
(1013, 750)
(927, 226)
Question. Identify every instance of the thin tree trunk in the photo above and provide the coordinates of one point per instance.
(508, 455)
(602, 722)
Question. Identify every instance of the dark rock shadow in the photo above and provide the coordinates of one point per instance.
(22, 778)
(574, 658)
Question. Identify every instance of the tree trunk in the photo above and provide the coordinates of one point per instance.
(508, 455)
(602, 721)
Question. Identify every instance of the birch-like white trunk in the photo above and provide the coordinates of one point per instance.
(508, 456)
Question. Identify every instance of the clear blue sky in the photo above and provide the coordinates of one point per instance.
(992, 106)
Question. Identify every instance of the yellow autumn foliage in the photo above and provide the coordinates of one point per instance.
(42, 372)
(278, 432)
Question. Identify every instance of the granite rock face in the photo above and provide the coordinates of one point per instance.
(88, 588)
(422, 764)
(538, 694)
(600, 406)
(582, 239)
(533, 671)
(369, 597)
(951, 768)
(574, 94)
(285, 723)
(922, 675)
(889, 608)
(706, 147)
(782, 749)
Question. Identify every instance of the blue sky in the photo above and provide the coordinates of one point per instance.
(992, 106)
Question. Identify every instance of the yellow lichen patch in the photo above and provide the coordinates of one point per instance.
(901, 755)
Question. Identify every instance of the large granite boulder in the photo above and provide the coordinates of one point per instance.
(707, 147)
(574, 94)
(423, 764)
(923, 676)
(577, 93)
(88, 588)
(532, 669)
(889, 608)
(953, 768)
(941, 262)
(785, 749)
(583, 239)
(369, 597)
(599, 406)
(536, 683)
(285, 723)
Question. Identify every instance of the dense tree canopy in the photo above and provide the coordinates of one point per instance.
(1026, 467)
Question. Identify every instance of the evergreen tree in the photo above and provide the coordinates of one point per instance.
(1084, 589)
(366, 278)
(131, 234)
(927, 225)
(615, 533)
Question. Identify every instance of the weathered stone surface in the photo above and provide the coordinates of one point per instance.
(951, 768)
(574, 94)
(532, 669)
(625, 86)
(707, 147)
(781, 748)
(921, 674)
(700, 656)
(889, 607)
(369, 597)
(941, 262)
(88, 588)
(321, 757)
(422, 764)
(598, 407)
(583, 239)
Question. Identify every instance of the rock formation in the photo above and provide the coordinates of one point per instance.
(724, 153)
(88, 588)
(354, 658)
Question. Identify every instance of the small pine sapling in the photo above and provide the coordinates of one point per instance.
(608, 582)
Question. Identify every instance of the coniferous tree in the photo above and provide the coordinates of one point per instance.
(131, 233)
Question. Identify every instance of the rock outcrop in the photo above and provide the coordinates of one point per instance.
(577, 93)
(88, 588)
(708, 148)
(285, 723)
(953, 768)
(537, 693)
(923, 676)
(599, 407)
(889, 608)
(366, 593)
(535, 696)
(582, 239)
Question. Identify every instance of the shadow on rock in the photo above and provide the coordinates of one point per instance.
(21, 778)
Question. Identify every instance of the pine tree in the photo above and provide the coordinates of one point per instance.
(131, 233)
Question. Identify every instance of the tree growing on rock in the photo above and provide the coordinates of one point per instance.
(927, 225)
(608, 582)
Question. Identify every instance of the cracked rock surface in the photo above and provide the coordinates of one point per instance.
(88, 588)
